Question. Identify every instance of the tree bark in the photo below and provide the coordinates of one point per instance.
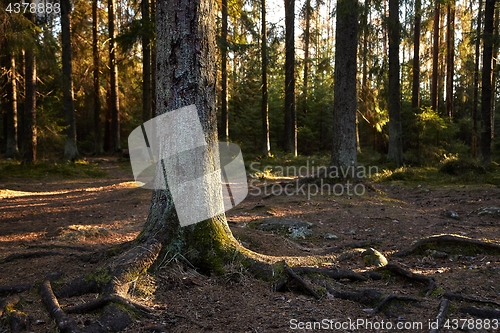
(264, 104)
(290, 108)
(345, 99)
(29, 118)
(96, 86)
(395, 153)
(224, 107)
(486, 93)
(186, 75)
(113, 79)
(306, 54)
(146, 62)
(435, 58)
(415, 95)
(450, 57)
(70, 149)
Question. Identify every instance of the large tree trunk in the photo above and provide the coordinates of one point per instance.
(113, 80)
(70, 149)
(435, 58)
(486, 93)
(450, 58)
(290, 109)
(395, 153)
(345, 99)
(146, 63)
(264, 104)
(188, 49)
(307, 34)
(97, 95)
(224, 108)
(11, 108)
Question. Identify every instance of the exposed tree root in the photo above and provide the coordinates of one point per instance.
(6, 290)
(8, 302)
(390, 298)
(364, 296)
(470, 299)
(29, 255)
(19, 321)
(450, 239)
(481, 312)
(442, 313)
(360, 244)
(301, 281)
(336, 274)
(395, 268)
(102, 301)
(64, 323)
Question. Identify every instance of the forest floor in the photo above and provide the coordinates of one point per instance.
(62, 220)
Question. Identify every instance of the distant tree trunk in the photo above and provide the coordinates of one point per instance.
(345, 99)
(496, 43)
(70, 149)
(264, 104)
(290, 108)
(486, 93)
(450, 57)
(395, 153)
(435, 58)
(476, 81)
(146, 63)
(11, 108)
(96, 93)
(415, 94)
(306, 54)
(29, 117)
(113, 79)
(224, 107)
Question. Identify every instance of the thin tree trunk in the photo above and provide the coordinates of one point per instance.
(264, 105)
(29, 118)
(345, 99)
(435, 58)
(290, 108)
(476, 81)
(114, 92)
(395, 153)
(224, 107)
(306, 54)
(70, 149)
(450, 57)
(11, 109)
(146, 63)
(415, 95)
(486, 93)
(495, 72)
(96, 92)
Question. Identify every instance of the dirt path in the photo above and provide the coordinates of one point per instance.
(69, 218)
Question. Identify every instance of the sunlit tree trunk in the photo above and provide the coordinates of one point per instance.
(264, 104)
(435, 57)
(395, 153)
(450, 57)
(70, 149)
(11, 107)
(415, 94)
(476, 81)
(290, 108)
(224, 91)
(345, 99)
(146, 63)
(113, 81)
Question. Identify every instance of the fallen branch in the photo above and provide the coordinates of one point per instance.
(297, 278)
(442, 313)
(455, 240)
(431, 284)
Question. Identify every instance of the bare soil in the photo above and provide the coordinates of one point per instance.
(64, 220)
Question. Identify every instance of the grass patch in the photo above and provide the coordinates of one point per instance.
(77, 169)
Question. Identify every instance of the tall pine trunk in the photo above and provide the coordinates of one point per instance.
(70, 149)
(415, 93)
(113, 81)
(11, 108)
(345, 99)
(290, 108)
(395, 153)
(224, 99)
(476, 82)
(450, 57)
(306, 55)
(146, 62)
(29, 116)
(435, 57)
(96, 86)
(264, 104)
